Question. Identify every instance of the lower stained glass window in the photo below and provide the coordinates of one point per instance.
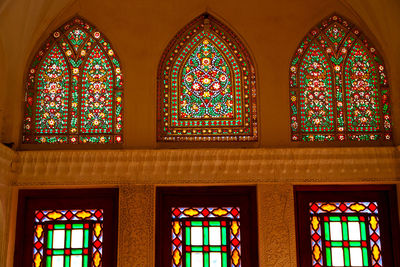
(340, 226)
(345, 234)
(212, 226)
(68, 238)
(206, 237)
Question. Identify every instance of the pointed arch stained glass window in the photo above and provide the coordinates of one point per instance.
(206, 86)
(74, 89)
(338, 86)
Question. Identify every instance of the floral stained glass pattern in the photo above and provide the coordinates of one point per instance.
(315, 92)
(206, 237)
(338, 86)
(74, 89)
(206, 86)
(345, 234)
(68, 238)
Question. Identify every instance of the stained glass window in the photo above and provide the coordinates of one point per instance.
(206, 227)
(339, 88)
(67, 228)
(355, 225)
(206, 86)
(68, 238)
(205, 237)
(345, 234)
(74, 89)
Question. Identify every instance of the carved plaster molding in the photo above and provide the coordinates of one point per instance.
(208, 166)
(7, 156)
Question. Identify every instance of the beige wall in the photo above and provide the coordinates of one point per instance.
(139, 30)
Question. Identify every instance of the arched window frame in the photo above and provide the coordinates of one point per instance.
(73, 133)
(242, 127)
(337, 65)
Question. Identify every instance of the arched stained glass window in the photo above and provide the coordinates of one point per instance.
(339, 89)
(74, 89)
(206, 86)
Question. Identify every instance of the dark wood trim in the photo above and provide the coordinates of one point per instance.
(244, 197)
(31, 200)
(386, 197)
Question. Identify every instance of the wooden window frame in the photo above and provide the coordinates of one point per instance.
(60, 199)
(244, 197)
(384, 195)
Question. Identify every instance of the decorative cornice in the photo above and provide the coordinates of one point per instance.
(208, 166)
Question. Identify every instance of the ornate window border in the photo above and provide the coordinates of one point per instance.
(243, 125)
(336, 59)
(374, 205)
(233, 207)
(41, 211)
(75, 60)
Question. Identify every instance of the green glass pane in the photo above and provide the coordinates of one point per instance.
(67, 259)
(85, 260)
(215, 223)
(328, 257)
(346, 256)
(197, 249)
(345, 231)
(206, 259)
(363, 231)
(59, 226)
(365, 256)
(215, 249)
(48, 261)
(223, 235)
(68, 239)
(334, 219)
(224, 259)
(188, 261)
(86, 238)
(196, 223)
(327, 234)
(355, 244)
(205, 233)
(353, 219)
(77, 226)
(187, 232)
(76, 251)
(336, 243)
(58, 252)
(50, 239)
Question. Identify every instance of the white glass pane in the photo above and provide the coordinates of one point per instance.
(337, 257)
(197, 259)
(336, 230)
(196, 236)
(354, 231)
(356, 257)
(76, 261)
(215, 259)
(57, 261)
(77, 238)
(58, 238)
(215, 236)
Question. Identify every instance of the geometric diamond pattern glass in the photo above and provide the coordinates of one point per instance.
(74, 89)
(206, 237)
(339, 89)
(68, 238)
(345, 234)
(206, 86)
